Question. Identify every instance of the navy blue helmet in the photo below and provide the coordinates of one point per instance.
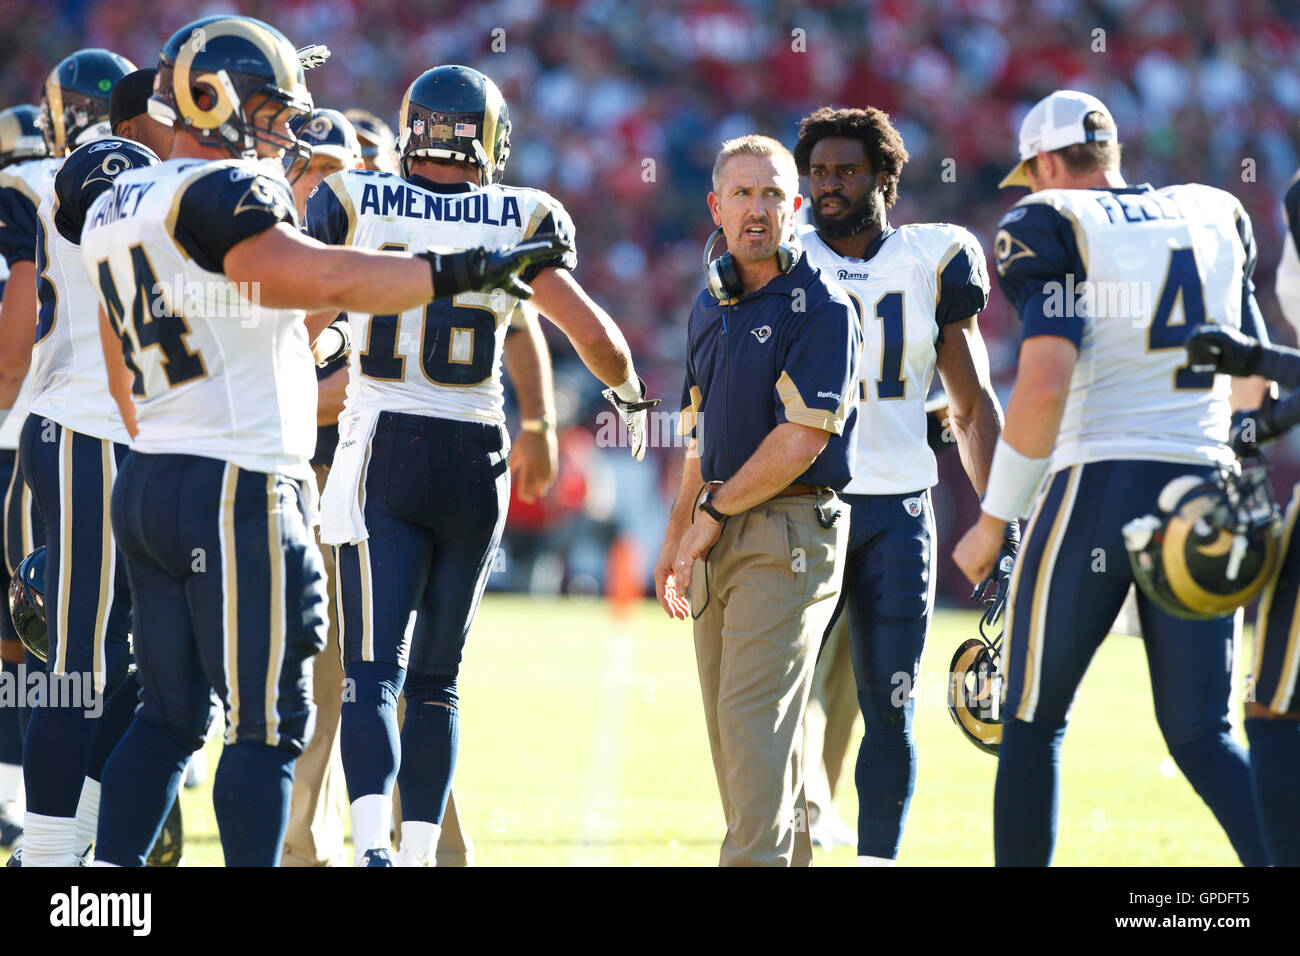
(213, 73)
(20, 135)
(454, 112)
(327, 133)
(74, 103)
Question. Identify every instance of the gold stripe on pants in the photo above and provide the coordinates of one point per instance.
(762, 602)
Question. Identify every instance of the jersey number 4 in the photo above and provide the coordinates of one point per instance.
(457, 342)
(153, 324)
(1183, 280)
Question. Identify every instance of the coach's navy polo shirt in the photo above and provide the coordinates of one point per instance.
(785, 353)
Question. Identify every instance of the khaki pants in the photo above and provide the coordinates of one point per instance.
(762, 601)
(319, 804)
(320, 795)
(830, 721)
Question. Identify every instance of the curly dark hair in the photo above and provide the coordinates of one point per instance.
(882, 143)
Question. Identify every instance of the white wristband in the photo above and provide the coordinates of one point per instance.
(630, 391)
(1013, 483)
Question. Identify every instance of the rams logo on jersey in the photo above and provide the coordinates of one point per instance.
(108, 170)
(260, 196)
(1007, 249)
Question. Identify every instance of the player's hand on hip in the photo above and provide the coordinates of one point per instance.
(977, 551)
(534, 459)
(635, 416)
(1221, 348)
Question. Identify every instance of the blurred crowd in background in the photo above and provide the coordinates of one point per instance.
(619, 107)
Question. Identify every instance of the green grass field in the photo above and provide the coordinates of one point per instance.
(582, 742)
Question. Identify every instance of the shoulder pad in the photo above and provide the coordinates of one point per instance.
(88, 172)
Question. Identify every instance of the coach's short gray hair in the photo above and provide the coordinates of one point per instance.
(755, 145)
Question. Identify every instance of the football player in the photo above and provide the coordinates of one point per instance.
(1272, 711)
(319, 802)
(1107, 280)
(417, 498)
(918, 289)
(20, 142)
(67, 453)
(202, 279)
(334, 146)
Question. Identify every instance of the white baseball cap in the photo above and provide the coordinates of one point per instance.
(1056, 121)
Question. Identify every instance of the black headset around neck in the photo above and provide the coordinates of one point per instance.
(724, 282)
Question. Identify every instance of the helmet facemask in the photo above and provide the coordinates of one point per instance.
(975, 681)
(80, 119)
(221, 117)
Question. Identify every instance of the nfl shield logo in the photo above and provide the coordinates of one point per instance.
(417, 128)
(912, 506)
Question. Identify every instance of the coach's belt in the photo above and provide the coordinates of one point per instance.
(799, 488)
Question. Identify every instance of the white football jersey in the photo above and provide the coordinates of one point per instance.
(31, 179)
(13, 423)
(915, 279)
(442, 359)
(1126, 273)
(69, 380)
(217, 374)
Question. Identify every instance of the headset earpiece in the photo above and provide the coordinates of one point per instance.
(722, 279)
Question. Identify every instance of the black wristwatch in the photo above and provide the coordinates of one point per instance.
(706, 505)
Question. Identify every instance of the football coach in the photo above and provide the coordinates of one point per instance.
(757, 535)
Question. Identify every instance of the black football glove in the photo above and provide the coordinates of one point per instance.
(994, 587)
(1220, 348)
(1254, 427)
(634, 418)
(483, 270)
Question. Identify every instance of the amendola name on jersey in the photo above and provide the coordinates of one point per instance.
(1124, 273)
(914, 280)
(443, 359)
(69, 381)
(216, 373)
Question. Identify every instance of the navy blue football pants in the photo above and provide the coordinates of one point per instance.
(229, 595)
(1071, 578)
(888, 595)
(87, 606)
(436, 494)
